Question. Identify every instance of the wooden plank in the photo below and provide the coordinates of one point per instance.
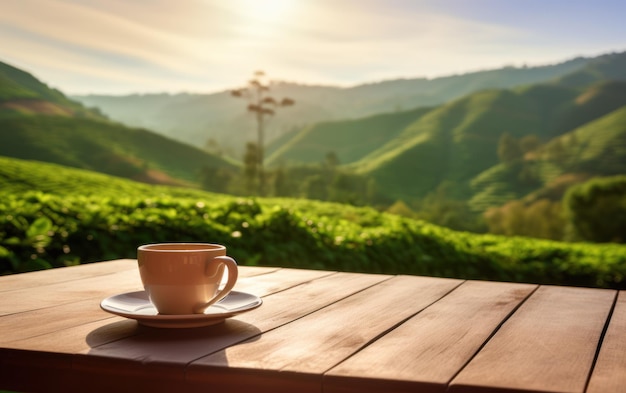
(64, 274)
(277, 309)
(305, 348)
(28, 299)
(168, 352)
(426, 352)
(51, 341)
(278, 280)
(548, 345)
(79, 338)
(21, 326)
(94, 287)
(609, 373)
(83, 322)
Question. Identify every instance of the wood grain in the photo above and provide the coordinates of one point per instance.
(316, 331)
(305, 348)
(20, 326)
(279, 308)
(609, 373)
(28, 299)
(32, 338)
(64, 274)
(97, 287)
(149, 350)
(446, 334)
(548, 345)
(44, 323)
(276, 280)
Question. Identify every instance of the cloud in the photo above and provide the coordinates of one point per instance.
(93, 31)
(203, 45)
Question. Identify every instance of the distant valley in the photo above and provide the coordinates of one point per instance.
(40, 123)
(468, 144)
(194, 118)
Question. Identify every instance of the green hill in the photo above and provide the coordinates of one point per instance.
(72, 216)
(457, 141)
(594, 102)
(23, 93)
(350, 140)
(597, 148)
(39, 123)
(605, 68)
(103, 146)
(19, 176)
(194, 118)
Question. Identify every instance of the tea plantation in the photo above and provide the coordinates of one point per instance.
(52, 216)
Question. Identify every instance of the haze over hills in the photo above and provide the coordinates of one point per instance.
(39, 123)
(194, 118)
(409, 153)
(20, 92)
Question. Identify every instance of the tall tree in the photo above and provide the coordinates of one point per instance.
(596, 210)
(509, 149)
(262, 105)
(250, 166)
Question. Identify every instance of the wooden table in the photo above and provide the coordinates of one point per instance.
(317, 331)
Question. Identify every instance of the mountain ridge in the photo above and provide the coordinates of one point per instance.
(40, 123)
(194, 118)
(409, 153)
(458, 140)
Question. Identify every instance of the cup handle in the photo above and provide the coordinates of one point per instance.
(233, 273)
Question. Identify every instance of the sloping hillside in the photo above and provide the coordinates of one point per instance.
(193, 118)
(20, 176)
(350, 140)
(20, 92)
(597, 148)
(39, 123)
(603, 68)
(103, 147)
(72, 216)
(457, 141)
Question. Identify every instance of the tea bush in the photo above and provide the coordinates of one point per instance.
(52, 216)
(40, 230)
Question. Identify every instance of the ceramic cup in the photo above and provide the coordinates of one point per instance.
(185, 278)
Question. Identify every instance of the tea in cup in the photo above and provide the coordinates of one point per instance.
(185, 278)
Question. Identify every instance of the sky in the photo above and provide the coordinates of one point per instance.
(204, 46)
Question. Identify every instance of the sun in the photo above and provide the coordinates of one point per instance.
(267, 10)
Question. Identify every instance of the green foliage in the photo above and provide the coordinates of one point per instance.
(502, 183)
(509, 149)
(20, 86)
(252, 168)
(93, 220)
(188, 117)
(541, 218)
(350, 140)
(409, 153)
(440, 208)
(609, 67)
(104, 147)
(596, 149)
(454, 142)
(596, 210)
(217, 179)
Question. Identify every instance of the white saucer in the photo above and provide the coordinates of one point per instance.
(136, 305)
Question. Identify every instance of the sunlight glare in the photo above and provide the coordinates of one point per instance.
(268, 10)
